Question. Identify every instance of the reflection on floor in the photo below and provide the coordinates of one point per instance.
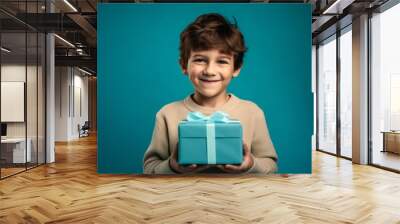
(346, 152)
(386, 159)
(10, 169)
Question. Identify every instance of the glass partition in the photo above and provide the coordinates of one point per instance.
(385, 88)
(22, 77)
(327, 95)
(14, 153)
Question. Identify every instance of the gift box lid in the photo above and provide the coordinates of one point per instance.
(199, 130)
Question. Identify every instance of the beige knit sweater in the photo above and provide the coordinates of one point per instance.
(165, 134)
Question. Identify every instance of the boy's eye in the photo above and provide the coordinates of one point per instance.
(223, 62)
(199, 60)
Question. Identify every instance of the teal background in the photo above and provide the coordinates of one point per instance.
(138, 73)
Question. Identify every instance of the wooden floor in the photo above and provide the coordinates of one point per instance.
(70, 191)
(5, 172)
(8, 171)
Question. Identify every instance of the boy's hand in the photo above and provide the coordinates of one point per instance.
(247, 163)
(175, 166)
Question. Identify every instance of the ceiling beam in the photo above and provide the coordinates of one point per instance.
(83, 23)
(83, 61)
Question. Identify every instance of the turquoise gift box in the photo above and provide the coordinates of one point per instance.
(211, 139)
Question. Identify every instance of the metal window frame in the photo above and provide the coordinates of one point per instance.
(339, 32)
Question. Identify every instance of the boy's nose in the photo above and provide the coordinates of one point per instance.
(210, 70)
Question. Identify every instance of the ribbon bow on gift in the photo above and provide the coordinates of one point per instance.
(216, 117)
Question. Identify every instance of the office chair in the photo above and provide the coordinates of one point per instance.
(84, 130)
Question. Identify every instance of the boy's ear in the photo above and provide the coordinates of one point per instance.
(184, 70)
(183, 67)
(236, 72)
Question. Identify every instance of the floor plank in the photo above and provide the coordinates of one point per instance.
(70, 191)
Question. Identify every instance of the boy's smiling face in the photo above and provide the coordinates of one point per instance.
(210, 71)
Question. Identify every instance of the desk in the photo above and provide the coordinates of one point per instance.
(391, 141)
(15, 148)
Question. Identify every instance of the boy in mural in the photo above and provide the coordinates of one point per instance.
(211, 55)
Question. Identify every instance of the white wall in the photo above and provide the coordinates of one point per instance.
(12, 73)
(62, 81)
(80, 105)
(9, 73)
(71, 94)
(33, 127)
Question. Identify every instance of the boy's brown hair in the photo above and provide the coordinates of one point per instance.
(212, 31)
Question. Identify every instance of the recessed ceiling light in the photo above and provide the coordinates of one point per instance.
(64, 40)
(5, 50)
(84, 71)
(337, 7)
(71, 6)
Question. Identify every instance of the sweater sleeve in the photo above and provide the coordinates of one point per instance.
(157, 156)
(262, 148)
